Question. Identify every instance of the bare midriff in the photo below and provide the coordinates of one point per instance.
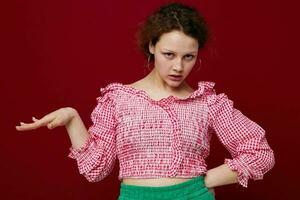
(156, 182)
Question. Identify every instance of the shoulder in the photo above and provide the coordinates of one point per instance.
(211, 96)
(111, 88)
(206, 86)
(115, 91)
(204, 89)
(108, 92)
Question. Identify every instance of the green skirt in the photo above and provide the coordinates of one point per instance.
(193, 189)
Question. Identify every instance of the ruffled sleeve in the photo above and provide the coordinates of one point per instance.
(96, 158)
(246, 141)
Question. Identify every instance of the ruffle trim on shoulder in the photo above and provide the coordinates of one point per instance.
(110, 87)
(203, 88)
(212, 97)
(106, 92)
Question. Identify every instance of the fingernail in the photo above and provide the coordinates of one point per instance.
(21, 123)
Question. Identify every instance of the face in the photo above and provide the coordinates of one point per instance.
(175, 55)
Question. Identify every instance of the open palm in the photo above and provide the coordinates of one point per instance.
(52, 120)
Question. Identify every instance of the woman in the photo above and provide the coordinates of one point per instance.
(158, 127)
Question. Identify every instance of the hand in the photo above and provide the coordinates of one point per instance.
(60, 117)
(212, 190)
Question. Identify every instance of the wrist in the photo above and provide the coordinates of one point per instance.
(72, 113)
(71, 110)
(207, 181)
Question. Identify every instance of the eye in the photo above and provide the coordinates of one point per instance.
(168, 55)
(189, 57)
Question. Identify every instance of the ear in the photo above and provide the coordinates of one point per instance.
(151, 48)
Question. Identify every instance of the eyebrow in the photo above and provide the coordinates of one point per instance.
(192, 52)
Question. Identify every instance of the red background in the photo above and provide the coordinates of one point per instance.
(59, 53)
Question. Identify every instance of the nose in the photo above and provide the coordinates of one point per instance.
(178, 65)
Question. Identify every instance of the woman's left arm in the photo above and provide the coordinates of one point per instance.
(221, 175)
(251, 154)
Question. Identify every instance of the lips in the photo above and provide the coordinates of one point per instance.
(175, 77)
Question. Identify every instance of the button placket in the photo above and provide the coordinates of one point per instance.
(177, 156)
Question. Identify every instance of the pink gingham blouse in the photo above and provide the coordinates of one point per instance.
(169, 137)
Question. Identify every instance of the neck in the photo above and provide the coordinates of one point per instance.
(155, 80)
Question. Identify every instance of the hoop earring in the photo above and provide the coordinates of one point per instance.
(148, 61)
(200, 64)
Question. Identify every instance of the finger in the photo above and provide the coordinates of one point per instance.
(23, 123)
(37, 122)
(44, 121)
(27, 126)
(50, 126)
(34, 119)
(18, 127)
(53, 124)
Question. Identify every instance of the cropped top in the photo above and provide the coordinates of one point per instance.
(169, 137)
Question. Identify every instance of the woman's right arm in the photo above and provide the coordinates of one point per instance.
(93, 149)
(67, 117)
(77, 131)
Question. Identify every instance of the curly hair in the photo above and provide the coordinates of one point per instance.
(169, 17)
